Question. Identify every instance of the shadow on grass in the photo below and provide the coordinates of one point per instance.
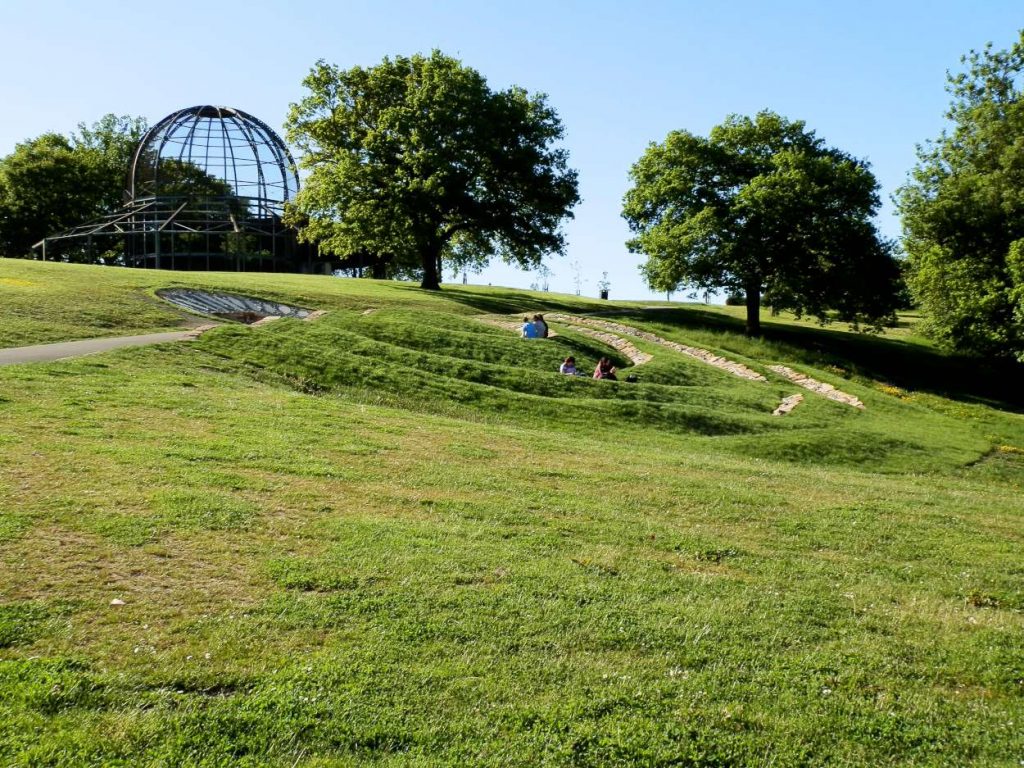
(497, 301)
(998, 383)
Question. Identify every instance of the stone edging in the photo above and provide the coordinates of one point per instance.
(823, 389)
(624, 346)
(717, 361)
(199, 330)
(788, 404)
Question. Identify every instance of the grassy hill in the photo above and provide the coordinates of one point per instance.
(395, 535)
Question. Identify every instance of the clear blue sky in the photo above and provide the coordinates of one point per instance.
(868, 76)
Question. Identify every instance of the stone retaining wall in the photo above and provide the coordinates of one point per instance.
(823, 389)
(788, 404)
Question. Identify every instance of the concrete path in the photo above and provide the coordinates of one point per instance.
(41, 353)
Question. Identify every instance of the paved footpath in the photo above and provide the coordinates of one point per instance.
(41, 353)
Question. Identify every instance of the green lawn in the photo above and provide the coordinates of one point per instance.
(399, 537)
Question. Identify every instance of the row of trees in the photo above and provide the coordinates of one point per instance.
(416, 163)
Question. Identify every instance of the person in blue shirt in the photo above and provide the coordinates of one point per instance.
(529, 329)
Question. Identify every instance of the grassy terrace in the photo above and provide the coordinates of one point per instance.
(399, 537)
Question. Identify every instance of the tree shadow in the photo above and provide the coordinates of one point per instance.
(498, 301)
(998, 383)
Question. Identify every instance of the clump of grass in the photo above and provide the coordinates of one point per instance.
(208, 510)
(310, 575)
(12, 525)
(21, 623)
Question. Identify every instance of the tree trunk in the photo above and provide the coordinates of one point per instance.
(431, 258)
(753, 291)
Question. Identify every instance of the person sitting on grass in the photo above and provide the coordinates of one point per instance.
(605, 370)
(569, 367)
(542, 327)
(529, 329)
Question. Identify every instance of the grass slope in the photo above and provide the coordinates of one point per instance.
(398, 537)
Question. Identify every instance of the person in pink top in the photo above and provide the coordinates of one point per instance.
(605, 370)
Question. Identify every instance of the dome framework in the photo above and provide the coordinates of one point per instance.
(206, 189)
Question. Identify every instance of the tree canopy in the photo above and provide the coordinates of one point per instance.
(417, 160)
(761, 206)
(963, 211)
(53, 182)
(110, 143)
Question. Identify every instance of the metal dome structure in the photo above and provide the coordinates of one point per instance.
(218, 143)
(206, 189)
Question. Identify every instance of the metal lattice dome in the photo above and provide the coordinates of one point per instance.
(206, 189)
(215, 152)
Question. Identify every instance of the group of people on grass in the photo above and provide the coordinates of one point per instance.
(604, 369)
(536, 328)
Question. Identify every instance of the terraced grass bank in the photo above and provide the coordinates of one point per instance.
(395, 535)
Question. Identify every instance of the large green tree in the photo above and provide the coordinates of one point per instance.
(762, 207)
(963, 211)
(418, 159)
(54, 182)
